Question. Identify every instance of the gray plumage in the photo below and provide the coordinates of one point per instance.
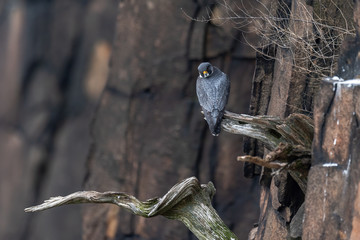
(212, 88)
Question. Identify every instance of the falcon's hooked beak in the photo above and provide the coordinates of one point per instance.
(205, 73)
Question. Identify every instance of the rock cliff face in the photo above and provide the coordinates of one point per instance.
(280, 88)
(332, 199)
(148, 127)
(149, 133)
(51, 51)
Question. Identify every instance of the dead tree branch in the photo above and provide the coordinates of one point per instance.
(289, 141)
(187, 201)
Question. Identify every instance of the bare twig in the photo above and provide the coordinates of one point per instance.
(313, 34)
(259, 161)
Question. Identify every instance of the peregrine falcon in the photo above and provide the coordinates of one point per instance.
(212, 88)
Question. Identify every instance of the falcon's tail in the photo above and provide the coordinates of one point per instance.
(214, 119)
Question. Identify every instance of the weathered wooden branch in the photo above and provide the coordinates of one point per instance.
(297, 129)
(262, 162)
(296, 159)
(289, 141)
(187, 201)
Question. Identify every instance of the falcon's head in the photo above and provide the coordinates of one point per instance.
(205, 69)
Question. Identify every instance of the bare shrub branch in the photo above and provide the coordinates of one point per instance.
(311, 33)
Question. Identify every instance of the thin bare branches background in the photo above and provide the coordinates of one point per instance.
(313, 34)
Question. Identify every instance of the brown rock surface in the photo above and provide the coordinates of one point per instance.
(46, 50)
(331, 203)
(149, 133)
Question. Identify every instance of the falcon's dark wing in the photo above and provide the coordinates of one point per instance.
(213, 92)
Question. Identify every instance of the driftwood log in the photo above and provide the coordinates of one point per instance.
(188, 202)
